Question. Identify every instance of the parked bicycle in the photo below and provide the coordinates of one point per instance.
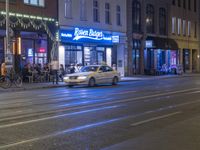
(10, 79)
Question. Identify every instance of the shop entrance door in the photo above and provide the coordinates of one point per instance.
(100, 56)
(194, 60)
(186, 60)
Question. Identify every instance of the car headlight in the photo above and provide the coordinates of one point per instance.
(82, 77)
(66, 78)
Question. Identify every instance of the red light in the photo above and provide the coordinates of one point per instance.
(41, 50)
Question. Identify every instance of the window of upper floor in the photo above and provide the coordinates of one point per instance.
(162, 21)
(83, 10)
(184, 4)
(189, 4)
(189, 28)
(68, 8)
(173, 25)
(184, 28)
(136, 16)
(118, 15)
(107, 13)
(179, 26)
(96, 16)
(195, 30)
(179, 3)
(173, 2)
(150, 22)
(39, 3)
(195, 5)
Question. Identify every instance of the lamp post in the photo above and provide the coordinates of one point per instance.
(7, 27)
(8, 53)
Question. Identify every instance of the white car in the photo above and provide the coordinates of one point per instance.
(92, 75)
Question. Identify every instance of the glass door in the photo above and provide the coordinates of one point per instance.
(186, 60)
(100, 57)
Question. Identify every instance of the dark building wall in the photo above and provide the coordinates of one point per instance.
(50, 9)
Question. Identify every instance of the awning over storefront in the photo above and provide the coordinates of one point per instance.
(161, 43)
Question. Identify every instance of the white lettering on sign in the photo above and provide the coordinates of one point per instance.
(89, 34)
(67, 35)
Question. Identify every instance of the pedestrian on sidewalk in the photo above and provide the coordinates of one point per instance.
(61, 72)
(54, 70)
(3, 68)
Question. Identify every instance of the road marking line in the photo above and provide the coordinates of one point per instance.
(70, 130)
(59, 116)
(108, 103)
(195, 92)
(155, 118)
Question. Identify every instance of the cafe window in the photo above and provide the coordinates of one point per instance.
(40, 3)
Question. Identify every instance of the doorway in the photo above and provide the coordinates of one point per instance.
(186, 60)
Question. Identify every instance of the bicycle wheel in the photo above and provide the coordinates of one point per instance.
(5, 83)
(18, 81)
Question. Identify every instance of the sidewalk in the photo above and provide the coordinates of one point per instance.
(32, 86)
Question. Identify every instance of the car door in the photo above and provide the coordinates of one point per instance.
(100, 76)
(108, 74)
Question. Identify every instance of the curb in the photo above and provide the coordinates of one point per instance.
(158, 78)
(32, 88)
(63, 85)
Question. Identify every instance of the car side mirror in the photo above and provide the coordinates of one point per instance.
(100, 71)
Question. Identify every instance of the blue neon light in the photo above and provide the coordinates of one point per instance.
(86, 35)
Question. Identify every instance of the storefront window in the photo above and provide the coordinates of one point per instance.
(161, 55)
(88, 55)
(34, 51)
(41, 52)
(28, 51)
(159, 59)
(94, 55)
(73, 55)
(136, 56)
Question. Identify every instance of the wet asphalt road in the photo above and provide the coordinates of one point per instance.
(140, 115)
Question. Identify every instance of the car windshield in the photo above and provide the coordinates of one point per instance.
(89, 69)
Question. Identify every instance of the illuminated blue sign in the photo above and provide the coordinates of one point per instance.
(87, 35)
